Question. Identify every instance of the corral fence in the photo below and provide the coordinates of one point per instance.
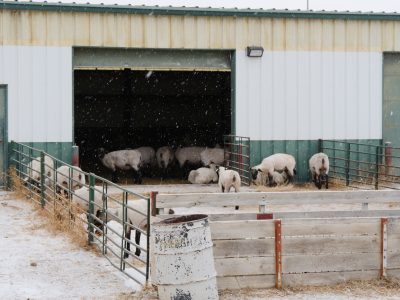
(276, 247)
(363, 165)
(237, 156)
(40, 178)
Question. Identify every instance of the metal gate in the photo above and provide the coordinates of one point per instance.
(3, 134)
(237, 156)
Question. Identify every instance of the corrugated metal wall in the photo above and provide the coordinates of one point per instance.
(309, 95)
(39, 83)
(151, 31)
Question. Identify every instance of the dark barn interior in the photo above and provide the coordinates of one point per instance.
(124, 109)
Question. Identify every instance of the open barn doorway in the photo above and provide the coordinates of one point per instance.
(121, 109)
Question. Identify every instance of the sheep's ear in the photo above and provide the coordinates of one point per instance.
(259, 170)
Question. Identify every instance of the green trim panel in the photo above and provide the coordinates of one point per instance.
(195, 11)
(61, 150)
(302, 150)
(118, 58)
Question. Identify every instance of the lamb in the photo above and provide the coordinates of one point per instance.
(122, 160)
(203, 175)
(212, 156)
(165, 157)
(319, 168)
(280, 178)
(275, 162)
(69, 178)
(228, 179)
(34, 170)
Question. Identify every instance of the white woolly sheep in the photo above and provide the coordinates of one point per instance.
(122, 160)
(33, 170)
(136, 218)
(228, 179)
(203, 175)
(212, 156)
(148, 156)
(80, 197)
(280, 178)
(319, 168)
(189, 155)
(165, 157)
(69, 178)
(276, 162)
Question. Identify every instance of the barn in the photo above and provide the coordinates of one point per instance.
(127, 76)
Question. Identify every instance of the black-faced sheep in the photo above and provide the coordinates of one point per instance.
(122, 160)
(69, 178)
(165, 157)
(280, 178)
(203, 175)
(319, 168)
(276, 162)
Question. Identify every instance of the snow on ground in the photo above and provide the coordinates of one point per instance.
(37, 264)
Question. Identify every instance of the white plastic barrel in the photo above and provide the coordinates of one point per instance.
(182, 263)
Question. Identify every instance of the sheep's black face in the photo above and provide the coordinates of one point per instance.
(254, 173)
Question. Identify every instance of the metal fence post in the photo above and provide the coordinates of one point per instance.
(377, 166)
(91, 208)
(124, 241)
(320, 145)
(347, 164)
(42, 179)
(388, 158)
(75, 156)
(148, 241)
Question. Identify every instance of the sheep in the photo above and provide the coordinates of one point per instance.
(228, 179)
(69, 175)
(34, 170)
(280, 178)
(122, 160)
(148, 156)
(165, 157)
(188, 157)
(212, 155)
(319, 168)
(136, 220)
(275, 162)
(80, 198)
(203, 175)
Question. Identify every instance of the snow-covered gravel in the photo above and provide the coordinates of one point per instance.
(38, 264)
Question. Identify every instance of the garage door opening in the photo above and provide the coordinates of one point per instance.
(120, 109)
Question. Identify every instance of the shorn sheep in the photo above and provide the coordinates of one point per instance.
(189, 155)
(148, 156)
(280, 178)
(227, 180)
(203, 175)
(319, 168)
(276, 162)
(69, 178)
(122, 160)
(80, 198)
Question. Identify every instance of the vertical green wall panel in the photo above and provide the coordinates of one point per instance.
(60, 150)
(302, 150)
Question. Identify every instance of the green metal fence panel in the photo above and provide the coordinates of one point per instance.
(96, 203)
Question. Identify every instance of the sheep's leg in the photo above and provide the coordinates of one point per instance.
(222, 189)
(237, 206)
(137, 241)
(127, 244)
(270, 180)
(326, 181)
(318, 182)
(114, 177)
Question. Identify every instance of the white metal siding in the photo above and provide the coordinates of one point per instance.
(39, 83)
(309, 95)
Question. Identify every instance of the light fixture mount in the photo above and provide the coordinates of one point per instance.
(254, 51)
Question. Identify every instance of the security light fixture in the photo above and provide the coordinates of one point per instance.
(254, 51)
